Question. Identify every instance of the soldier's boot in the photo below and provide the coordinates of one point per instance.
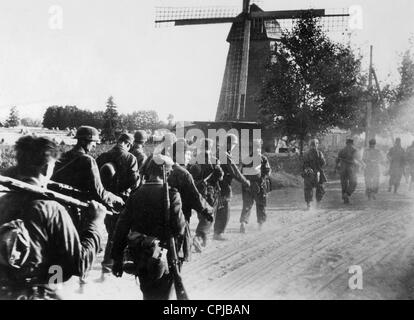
(308, 206)
(260, 225)
(219, 237)
(197, 243)
(243, 227)
(346, 198)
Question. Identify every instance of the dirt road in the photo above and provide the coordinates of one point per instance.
(298, 254)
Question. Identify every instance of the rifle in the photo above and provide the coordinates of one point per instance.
(172, 257)
(17, 185)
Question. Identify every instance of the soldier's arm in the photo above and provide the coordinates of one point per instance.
(265, 168)
(235, 172)
(122, 228)
(322, 159)
(132, 172)
(75, 251)
(197, 202)
(177, 220)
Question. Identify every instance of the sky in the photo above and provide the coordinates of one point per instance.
(72, 52)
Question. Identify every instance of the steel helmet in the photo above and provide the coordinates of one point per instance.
(87, 133)
(140, 136)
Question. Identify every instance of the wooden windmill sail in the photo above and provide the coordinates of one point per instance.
(251, 35)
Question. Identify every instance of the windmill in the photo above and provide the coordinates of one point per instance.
(251, 36)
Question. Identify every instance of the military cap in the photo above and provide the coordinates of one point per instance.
(126, 137)
(372, 142)
(140, 136)
(87, 133)
(349, 141)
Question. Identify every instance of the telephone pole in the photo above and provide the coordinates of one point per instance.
(368, 127)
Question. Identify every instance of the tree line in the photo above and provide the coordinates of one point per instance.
(109, 121)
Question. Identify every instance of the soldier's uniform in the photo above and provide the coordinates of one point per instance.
(231, 171)
(139, 153)
(125, 178)
(372, 158)
(183, 181)
(347, 161)
(54, 242)
(258, 189)
(396, 156)
(144, 213)
(79, 170)
(137, 149)
(313, 175)
(206, 177)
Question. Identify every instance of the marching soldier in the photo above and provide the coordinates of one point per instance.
(410, 162)
(347, 163)
(231, 171)
(47, 237)
(144, 219)
(396, 157)
(121, 180)
(183, 181)
(140, 137)
(206, 175)
(313, 175)
(78, 169)
(258, 176)
(372, 159)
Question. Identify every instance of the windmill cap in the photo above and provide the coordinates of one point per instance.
(87, 133)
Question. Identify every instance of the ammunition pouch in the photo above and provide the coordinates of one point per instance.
(150, 259)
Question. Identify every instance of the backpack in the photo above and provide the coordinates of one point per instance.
(14, 244)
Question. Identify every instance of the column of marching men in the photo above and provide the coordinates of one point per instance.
(130, 183)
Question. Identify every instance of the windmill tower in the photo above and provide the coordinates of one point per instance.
(251, 36)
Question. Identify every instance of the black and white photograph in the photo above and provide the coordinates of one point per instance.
(206, 150)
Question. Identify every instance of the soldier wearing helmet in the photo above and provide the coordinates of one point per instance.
(140, 138)
(79, 170)
(121, 182)
(313, 175)
(256, 169)
(347, 164)
(144, 215)
(372, 158)
(231, 171)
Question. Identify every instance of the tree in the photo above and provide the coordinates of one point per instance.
(111, 121)
(401, 108)
(13, 120)
(311, 84)
(143, 119)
